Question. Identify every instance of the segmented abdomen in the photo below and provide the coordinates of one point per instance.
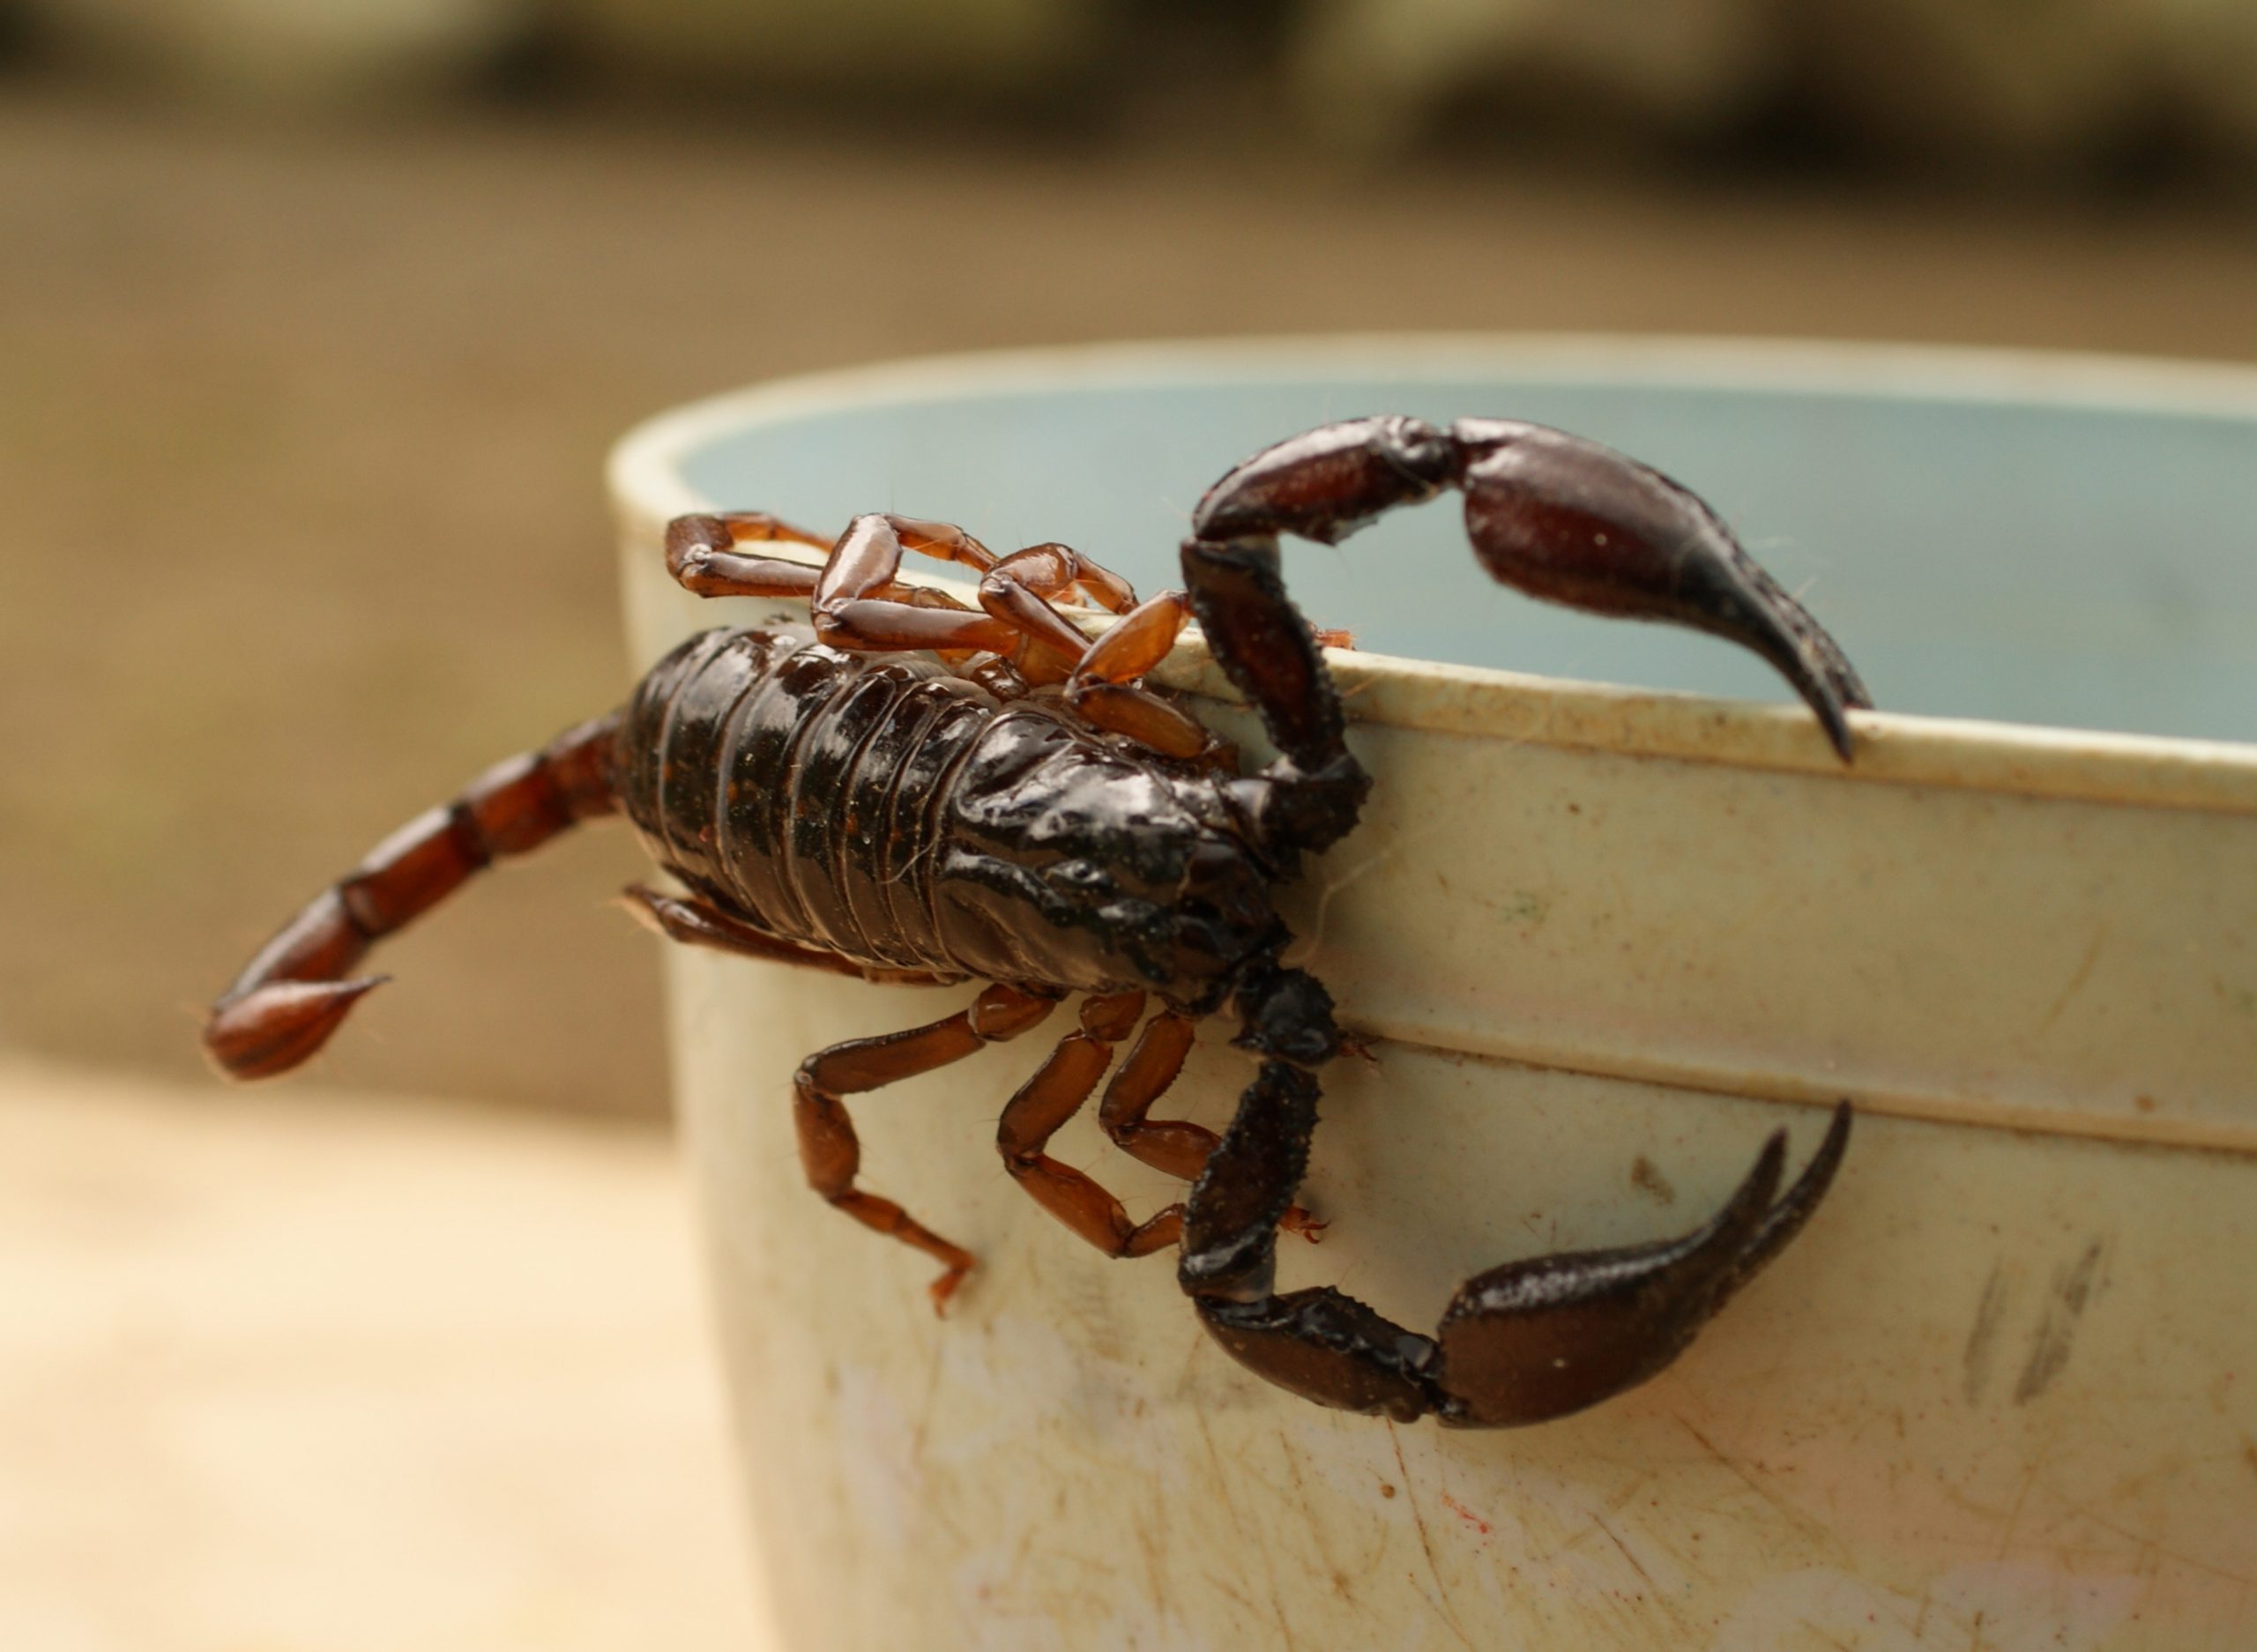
(798, 785)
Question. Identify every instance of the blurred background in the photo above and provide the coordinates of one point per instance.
(316, 319)
(319, 316)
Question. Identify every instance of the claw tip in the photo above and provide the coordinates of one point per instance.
(1838, 734)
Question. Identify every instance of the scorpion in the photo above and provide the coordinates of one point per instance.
(909, 789)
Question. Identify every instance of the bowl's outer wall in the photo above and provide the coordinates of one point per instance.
(1997, 1394)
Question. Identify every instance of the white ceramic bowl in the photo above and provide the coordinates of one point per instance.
(2002, 1391)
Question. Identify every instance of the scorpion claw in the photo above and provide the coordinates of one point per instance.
(1327, 1347)
(1538, 1339)
(1324, 484)
(1560, 517)
(1521, 1344)
(272, 1029)
(1567, 520)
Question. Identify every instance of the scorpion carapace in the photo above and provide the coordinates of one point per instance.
(907, 788)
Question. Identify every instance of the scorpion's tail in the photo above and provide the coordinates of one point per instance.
(291, 996)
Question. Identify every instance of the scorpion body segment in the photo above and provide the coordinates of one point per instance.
(907, 788)
(884, 809)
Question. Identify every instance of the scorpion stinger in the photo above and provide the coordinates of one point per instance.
(293, 993)
(1570, 521)
(1521, 1344)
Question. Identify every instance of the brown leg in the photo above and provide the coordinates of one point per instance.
(858, 604)
(1053, 1096)
(857, 574)
(702, 555)
(1174, 1145)
(1101, 687)
(700, 924)
(1018, 590)
(829, 1148)
(1134, 643)
(1058, 1092)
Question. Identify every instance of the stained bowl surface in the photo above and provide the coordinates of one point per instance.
(2002, 1391)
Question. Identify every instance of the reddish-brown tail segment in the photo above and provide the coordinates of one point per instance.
(291, 995)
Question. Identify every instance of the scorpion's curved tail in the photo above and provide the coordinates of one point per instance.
(292, 995)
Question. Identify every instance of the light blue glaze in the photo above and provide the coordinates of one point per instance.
(2081, 565)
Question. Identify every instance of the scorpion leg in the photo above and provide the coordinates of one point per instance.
(1176, 1146)
(1102, 687)
(1052, 1096)
(1057, 1092)
(832, 1154)
(1155, 1060)
(702, 924)
(857, 604)
(703, 557)
(1098, 674)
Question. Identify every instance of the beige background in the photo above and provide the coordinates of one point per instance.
(302, 428)
(299, 435)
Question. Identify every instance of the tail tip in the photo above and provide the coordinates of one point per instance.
(273, 1028)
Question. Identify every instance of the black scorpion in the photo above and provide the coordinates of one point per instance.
(908, 789)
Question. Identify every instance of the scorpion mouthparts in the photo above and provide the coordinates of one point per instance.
(273, 1028)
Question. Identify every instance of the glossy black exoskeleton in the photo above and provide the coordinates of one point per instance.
(907, 788)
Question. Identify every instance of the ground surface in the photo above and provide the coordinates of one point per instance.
(300, 432)
(360, 1373)
(301, 526)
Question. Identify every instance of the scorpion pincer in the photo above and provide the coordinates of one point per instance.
(911, 789)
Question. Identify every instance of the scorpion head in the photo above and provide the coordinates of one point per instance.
(1077, 864)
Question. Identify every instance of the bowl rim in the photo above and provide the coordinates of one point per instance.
(647, 487)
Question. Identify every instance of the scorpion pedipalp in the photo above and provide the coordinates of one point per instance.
(1569, 521)
(1538, 1339)
(1523, 1342)
(1560, 517)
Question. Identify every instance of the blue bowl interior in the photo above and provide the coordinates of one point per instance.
(2074, 565)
